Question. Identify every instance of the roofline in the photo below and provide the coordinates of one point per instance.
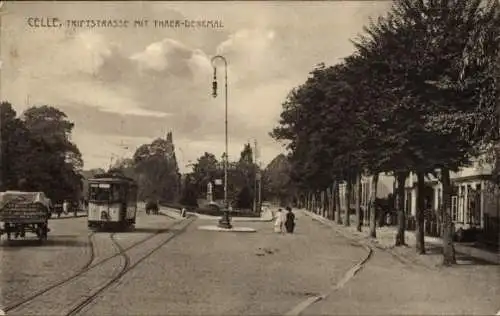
(112, 179)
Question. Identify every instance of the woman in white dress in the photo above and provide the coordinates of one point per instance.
(278, 223)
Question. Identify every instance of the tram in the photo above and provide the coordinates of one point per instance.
(112, 202)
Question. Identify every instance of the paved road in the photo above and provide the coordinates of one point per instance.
(185, 271)
(203, 272)
(28, 267)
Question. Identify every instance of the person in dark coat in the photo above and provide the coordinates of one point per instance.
(290, 221)
(152, 207)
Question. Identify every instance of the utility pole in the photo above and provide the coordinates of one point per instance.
(225, 221)
(255, 205)
(258, 179)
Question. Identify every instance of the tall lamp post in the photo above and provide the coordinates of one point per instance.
(225, 221)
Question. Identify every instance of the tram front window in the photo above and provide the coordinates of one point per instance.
(104, 192)
(99, 194)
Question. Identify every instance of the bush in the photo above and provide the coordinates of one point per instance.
(244, 213)
(211, 210)
(244, 199)
(177, 206)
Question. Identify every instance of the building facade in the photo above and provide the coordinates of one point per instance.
(474, 199)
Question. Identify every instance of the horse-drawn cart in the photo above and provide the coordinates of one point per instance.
(22, 212)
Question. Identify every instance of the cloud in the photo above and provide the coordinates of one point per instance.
(140, 83)
(250, 52)
(157, 55)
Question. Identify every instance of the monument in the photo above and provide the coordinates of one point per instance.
(210, 197)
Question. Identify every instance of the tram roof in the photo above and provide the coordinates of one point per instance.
(107, 177)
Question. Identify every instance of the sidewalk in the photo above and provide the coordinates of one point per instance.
(68, 216)
(398, 281)
(386, 238)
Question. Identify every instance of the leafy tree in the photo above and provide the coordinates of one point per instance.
(241, 177)
(416, 96)
(207, 169)
(88, 174)
(244, 178)
(125, 166)
(277, 181)
(157, 171)
(14, 146)
(189, 191)
(427, 41)
(37, 152)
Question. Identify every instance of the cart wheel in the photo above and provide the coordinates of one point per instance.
(42, 232)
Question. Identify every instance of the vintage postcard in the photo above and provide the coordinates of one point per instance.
(249, 157)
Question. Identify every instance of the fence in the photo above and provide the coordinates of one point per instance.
(481, 212)
(491, 230)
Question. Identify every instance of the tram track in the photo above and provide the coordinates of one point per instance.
(127, 268)
(38, 293)
(90, 265)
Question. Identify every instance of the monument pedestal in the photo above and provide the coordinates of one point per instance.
(225, 222)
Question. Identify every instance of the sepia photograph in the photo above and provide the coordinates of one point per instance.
(250, 157)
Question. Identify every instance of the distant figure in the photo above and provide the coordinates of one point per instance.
(58, 208)
(75, 206)
(183, 212)
(290, 220)
(278, 223)
(51, 209)
(152, 207)
(65, 207)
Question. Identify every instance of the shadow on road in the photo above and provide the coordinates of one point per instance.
(130, 230)
(54, 241)
(148, 230)
(67, 217)
(462, 259)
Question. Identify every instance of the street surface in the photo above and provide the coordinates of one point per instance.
(183, 270)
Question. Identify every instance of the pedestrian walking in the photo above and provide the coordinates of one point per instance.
(183, 212)
(59, 209)
(75, 206)
(65, 207)
(290, 221)
(278, 223)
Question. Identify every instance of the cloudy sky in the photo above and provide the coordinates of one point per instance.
(127, 86)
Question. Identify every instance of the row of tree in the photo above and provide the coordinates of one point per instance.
(36, 152)
(419, 94)
(154, 166)
(241, 176)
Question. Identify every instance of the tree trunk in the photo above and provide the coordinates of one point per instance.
(400, 206)
(347, 198)
(323, 200)
(333, 202)
(314, 202)
(337, 203)
(308, 201)
(373, 213)
(359, 192)
(326, 206)
(328, 203)
(419, 232)
(448, 248)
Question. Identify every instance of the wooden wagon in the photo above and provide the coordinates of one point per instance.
(23, 212)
